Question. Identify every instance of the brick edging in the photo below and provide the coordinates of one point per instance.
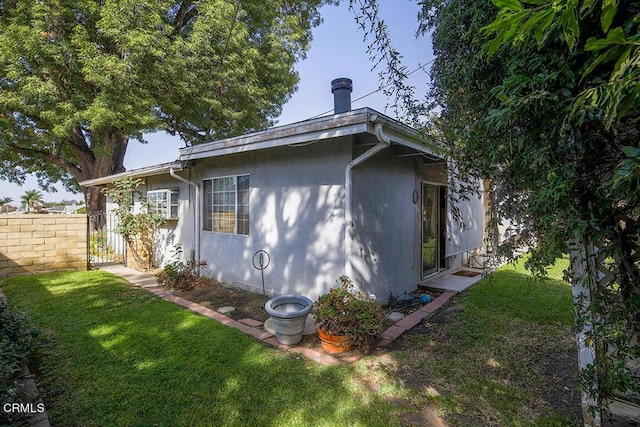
(267, 338)
(413, 319)
(249, 329)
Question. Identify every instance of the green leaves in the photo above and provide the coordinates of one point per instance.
(631, 152)
(513, 5)
(618, 49)
(614, 37)
(77, 79)
(609, 10)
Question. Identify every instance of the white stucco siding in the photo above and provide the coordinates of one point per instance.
(385, 250)
(296, 214)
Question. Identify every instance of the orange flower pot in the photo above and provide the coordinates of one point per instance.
(335, 343)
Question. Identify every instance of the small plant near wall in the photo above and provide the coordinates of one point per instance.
(345, 311)
(137, 229)
(183, 276)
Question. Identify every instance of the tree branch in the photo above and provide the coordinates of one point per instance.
(43, 155)
(184, 15)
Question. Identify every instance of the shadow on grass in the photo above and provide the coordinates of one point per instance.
(502, 353)
(115, 355)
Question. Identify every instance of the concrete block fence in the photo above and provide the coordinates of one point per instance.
(35, 243)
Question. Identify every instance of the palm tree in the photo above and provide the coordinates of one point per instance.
(31, 199)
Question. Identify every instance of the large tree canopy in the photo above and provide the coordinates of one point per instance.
(79, 78)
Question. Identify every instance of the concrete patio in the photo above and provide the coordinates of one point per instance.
(457, 280)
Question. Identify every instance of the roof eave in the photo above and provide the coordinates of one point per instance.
(344, 124)
(408, 137)
(160, 169)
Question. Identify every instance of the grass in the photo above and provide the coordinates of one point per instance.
(501, 354)
(114, 355)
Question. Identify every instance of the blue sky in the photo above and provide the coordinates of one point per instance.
(337, 50)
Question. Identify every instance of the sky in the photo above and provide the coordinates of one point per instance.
(337, 50)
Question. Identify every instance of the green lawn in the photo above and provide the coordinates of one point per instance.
(503, 353)
(116, 356)
(500, 354)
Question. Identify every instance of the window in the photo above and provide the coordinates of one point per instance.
(226, 204)
(163, 203)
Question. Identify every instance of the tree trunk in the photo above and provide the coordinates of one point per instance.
(584, 273)
(106, 159)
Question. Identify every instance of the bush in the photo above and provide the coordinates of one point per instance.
(183, 276)
(346, 311)
(17, 339)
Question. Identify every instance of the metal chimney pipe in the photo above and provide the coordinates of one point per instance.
(341, 89)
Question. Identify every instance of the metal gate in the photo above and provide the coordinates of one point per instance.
(104, 244)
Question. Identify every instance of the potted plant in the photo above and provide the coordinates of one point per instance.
(346, 318)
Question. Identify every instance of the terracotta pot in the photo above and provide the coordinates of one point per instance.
(335, 343)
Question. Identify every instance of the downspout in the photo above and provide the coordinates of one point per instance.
(197, 211)
(383, 142)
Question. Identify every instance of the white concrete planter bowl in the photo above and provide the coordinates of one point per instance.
(289, 315)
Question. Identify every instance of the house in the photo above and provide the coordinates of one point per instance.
(64, 209)
(354, 193)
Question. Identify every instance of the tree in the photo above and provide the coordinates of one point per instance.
(31, 199)
(5, 205)
(541, 98)
(79, 79)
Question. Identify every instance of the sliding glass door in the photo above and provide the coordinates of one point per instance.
(430, 229)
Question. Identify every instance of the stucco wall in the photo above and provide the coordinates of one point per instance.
(37, 243)
(386, 250)
(470, 236)
(296, 215)
(386, 245)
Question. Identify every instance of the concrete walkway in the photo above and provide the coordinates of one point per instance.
(457, 280)
(254, 327)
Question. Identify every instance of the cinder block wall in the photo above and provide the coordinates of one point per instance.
(38, 243)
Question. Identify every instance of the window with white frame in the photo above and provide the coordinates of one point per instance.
(163, 203)
(226, 204)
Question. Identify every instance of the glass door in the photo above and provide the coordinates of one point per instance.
(430, 229)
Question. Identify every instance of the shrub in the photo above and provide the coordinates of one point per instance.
(183, 276)
(17, 339)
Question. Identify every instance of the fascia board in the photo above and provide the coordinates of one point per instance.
(240, 147)
(135, 173)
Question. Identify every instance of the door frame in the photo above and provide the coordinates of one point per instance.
(440, 227)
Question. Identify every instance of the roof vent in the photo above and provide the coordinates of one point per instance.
(341, 89)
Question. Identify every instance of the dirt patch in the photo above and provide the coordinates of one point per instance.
(217, 295)
(542, 370)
